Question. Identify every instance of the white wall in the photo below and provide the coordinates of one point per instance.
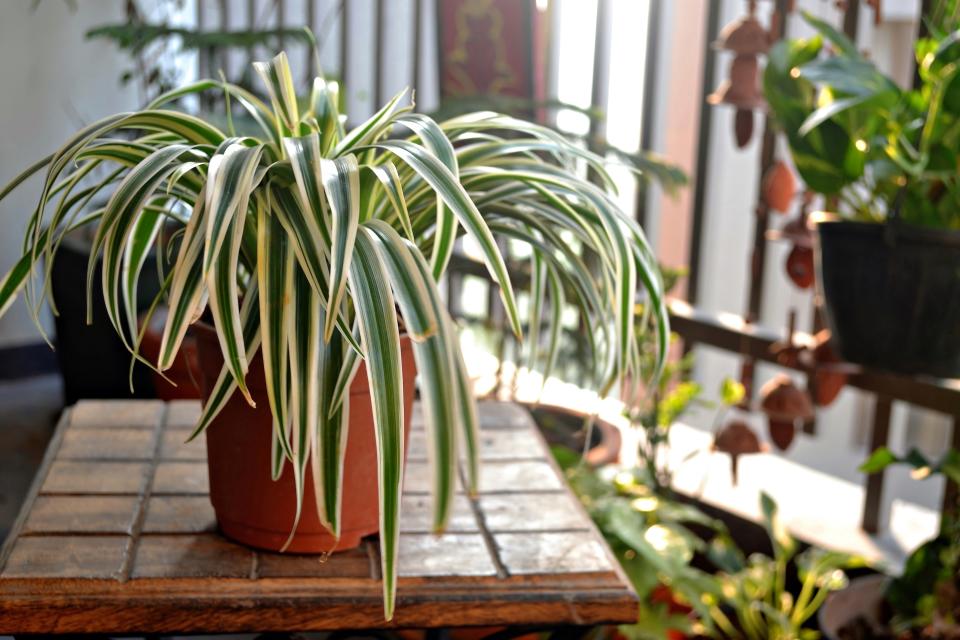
(54, 82)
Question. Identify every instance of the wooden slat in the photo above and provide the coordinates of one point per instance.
(698, 327)
(118, 535)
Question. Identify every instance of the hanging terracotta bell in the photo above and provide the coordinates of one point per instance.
(745, 35)
(828, 379)
(779, 187)
(737, 439)
(784, 404)
(742, 88)
(799, 266)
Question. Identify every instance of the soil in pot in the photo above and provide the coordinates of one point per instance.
(256, 511)
(892, 295)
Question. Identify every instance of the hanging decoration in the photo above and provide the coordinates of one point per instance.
(779, 187)
(736, 438)
(784, 405)
(746, 39)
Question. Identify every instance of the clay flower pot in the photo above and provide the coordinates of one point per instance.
(784, 404)
(253, 509)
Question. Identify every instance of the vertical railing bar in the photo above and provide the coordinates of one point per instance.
(224, 57)
(851, 19)
(415, 80)
(378, 57)
(758, 254)
(648, 107)
(879, 435)
(281, 22)
(344, 25)
(708, 79)
(252, 23)
(203, 65)
(545, 114)
(601, 66)
(311, 18)
(951, 492)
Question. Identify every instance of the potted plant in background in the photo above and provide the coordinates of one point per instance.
(924, 600)
(885, 158)
(297, 244)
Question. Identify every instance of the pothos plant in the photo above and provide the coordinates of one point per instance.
(301, 241)
(856, 136)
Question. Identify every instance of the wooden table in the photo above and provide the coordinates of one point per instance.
(117, 535)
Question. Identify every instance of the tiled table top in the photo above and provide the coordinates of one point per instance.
(118, 535)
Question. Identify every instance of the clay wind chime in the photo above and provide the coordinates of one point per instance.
(747, 39)
(786, 406)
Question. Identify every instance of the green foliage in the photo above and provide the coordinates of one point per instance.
(927, 594)
(307, 243)
(856, 135)
(656, 538)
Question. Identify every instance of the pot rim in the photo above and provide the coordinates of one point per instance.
(897, 230)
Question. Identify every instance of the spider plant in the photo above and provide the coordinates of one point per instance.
(303, 241)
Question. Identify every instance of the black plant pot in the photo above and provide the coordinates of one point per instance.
(93, 361)
(892, 295)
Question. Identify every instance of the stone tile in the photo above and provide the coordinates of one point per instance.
(452, 554)
(544, 553)
(182, 414)
(107, 414)
(503, 415)
(180, 514)
(67, 476)
(112, 444)
(191, 556)
(82, 514)
(181, 477)
(532, 512)
(416, 515)
(497, 444)
(417, 479)
(66, 557)
(521, 475)
(173, 446)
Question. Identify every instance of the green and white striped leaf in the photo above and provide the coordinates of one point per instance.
(187, 291)
(341, 183)
(329, 441)
(225, 384)
(381, 343)
(455, 197)
(230, 181)
(419, 301)
(224, 300)
(304, 342)
(274, 277)
(279, 82)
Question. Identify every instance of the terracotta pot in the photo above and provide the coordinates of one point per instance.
(184, 374)
(256, 511)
